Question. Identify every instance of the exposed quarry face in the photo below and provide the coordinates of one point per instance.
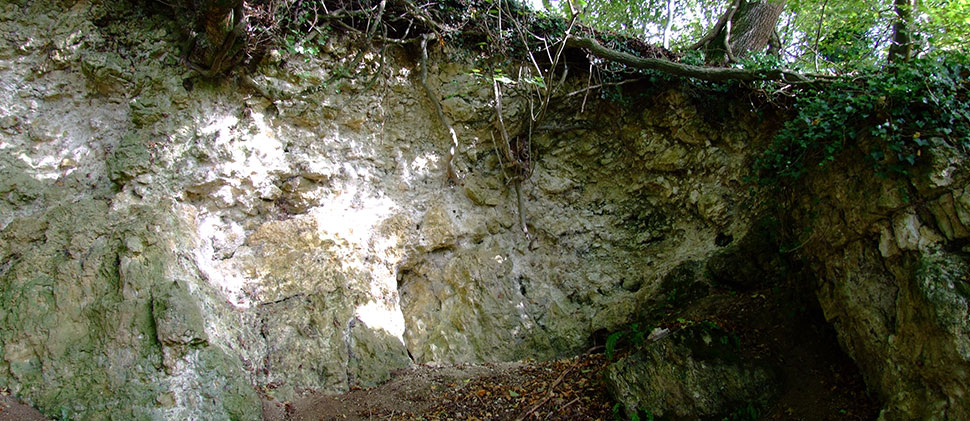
(165, 249)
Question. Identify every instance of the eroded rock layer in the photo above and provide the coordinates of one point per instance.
(170, 242)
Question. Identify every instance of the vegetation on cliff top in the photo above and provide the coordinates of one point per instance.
(890, 70)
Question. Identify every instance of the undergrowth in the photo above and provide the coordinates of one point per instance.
(903, 108)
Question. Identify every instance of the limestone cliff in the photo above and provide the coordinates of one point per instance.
(171, 244)
(892, 277)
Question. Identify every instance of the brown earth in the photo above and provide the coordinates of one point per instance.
(562, 389)
(12, 409)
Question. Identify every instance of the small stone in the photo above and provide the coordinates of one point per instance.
(8, 122)
(41, 132)
(906, 227)
(269, 192)
(458, 109)
(166, 400)
(481, 193)
(437, 229)
(134, 245)
(887, 245)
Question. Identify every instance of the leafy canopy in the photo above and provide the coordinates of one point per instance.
(817, 35)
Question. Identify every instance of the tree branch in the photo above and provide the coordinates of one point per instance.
(713, 74)
(725, 18)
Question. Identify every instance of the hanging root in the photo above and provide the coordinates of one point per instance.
(452, 175)
(515, 164)
(521, 203)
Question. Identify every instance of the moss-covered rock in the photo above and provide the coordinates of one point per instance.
(694, 373)
(91, 311)
(129, 159)
(891, 278)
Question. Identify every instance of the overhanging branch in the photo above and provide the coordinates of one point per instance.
(713, 74)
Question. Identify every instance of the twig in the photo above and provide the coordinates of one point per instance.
(419, 14)
(600, 85)
(818, 32)
(589, 79)
(565, 406)
(549, 393)
(506, 139)
(555, 62)
(518, 176)
(371, 30)
(521, 32)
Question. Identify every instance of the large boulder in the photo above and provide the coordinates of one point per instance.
(695, 372)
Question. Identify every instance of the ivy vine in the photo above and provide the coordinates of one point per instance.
(903, 108)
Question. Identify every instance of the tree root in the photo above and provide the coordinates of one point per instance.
(219, 64)
(449, 162)
(713, 74)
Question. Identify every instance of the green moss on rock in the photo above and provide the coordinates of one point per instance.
(129, 159)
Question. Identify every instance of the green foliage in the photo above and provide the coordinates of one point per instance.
(760, 61)
(634, 336)
(618, 414)
(947, 24)
(904, 109)
(829, 35)
(841, 36)
(646, 20)
(745, 413)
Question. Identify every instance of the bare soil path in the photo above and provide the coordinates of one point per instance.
(562, 389)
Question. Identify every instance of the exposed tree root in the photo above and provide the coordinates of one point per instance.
(449, 162)
(713, 74)
(230, 44)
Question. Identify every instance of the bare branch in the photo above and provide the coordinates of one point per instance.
(725, 18)
(713, 74)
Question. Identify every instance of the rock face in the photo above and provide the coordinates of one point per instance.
(693, 373)
(169, 243)
(892, 278)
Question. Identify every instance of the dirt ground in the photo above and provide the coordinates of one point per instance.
(819, 381)
(563, 389)
(12, 409)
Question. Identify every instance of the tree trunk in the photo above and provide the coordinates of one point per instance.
(221, 34)
(216, 18)
(902, 46)
(748, 29)
(668, 24)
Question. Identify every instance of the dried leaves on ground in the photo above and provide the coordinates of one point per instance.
(562, 389)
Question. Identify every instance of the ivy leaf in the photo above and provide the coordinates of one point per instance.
(504, 79)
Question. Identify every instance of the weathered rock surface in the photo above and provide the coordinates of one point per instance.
(693, 373)
(169, 243)
(893, 279)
